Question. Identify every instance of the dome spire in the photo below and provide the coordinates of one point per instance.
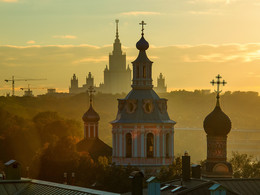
(142, 23)
(91, 115)
(218, 83)
(91, 91)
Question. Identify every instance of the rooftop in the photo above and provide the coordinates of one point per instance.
(36, 187)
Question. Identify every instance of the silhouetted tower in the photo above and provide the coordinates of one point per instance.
(217, 125)
(161, 87)
(89, 80)
(117, 78)
(142, 131)
(91, 118)
(74, 84)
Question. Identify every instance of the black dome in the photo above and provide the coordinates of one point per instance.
(91, 115)
(142, 44)
(217, 123)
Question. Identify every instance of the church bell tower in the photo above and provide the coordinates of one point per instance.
(143, 133)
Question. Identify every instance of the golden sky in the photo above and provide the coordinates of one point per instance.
(191, 41)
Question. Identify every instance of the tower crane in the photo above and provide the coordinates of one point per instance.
(14, 80)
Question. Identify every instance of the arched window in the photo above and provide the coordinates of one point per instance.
(150, 145)
(144, 71)
(137, 71)
(91, 131)
(128, 149)
(167, 145)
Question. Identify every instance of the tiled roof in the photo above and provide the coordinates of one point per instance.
(37, 187)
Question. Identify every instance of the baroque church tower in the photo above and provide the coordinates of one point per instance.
(217, 125)
(117, 78)
(143, 133)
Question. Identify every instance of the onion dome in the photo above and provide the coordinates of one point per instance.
(217, 123)
(142, 44)
(91, 115)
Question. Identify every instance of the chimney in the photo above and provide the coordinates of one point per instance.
(27, 171)
(196, 171)
(12, 170)
(137, 182)
(65, 178)
(72, 178)
(186, 166)
(154, 186)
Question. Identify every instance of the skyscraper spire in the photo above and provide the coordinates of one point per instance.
(117, 45)
(117, 21)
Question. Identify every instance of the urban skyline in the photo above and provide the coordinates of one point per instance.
(37, 41)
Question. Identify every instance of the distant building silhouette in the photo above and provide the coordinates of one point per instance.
(161, 87)
(142, 131)
(117, 77)
(217, 125)
(74, 84)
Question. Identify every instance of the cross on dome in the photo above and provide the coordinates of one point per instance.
(218, 82)
(142, 23)
(91, 91)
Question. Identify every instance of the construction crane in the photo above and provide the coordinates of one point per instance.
(14, 80)
(29, 91)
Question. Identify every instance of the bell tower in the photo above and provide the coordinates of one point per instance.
(143, 133)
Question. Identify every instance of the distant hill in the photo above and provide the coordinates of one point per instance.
(188, 109)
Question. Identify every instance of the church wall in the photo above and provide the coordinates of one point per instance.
(139, 134)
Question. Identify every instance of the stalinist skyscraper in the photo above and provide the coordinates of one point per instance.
(117, 77)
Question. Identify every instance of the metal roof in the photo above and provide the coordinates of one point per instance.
(139, 116)
(38, 187)
(10, 162)
(201, 186)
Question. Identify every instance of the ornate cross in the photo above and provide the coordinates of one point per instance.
(91, 91)
(218, 83)
(142, 23)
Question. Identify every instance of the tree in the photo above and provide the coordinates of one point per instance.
(172, 171)
(50, 127)
(245, 166)
(56, 158)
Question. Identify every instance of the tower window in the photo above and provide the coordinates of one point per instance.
(150, 145)
(128, 149)
(137, 71)
(91, 131)
(144, 71)
(167, 145)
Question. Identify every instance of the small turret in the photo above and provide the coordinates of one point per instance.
(217, 125)
(91, 118)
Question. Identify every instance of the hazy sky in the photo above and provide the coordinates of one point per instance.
(191, 40)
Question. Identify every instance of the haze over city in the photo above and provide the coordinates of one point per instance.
(190, 41)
